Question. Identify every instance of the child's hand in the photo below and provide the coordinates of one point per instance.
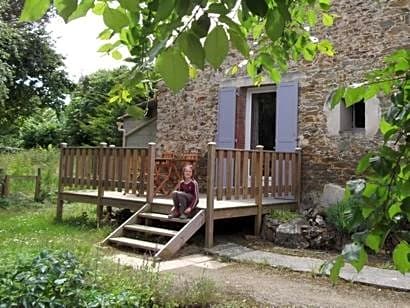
(187, 211)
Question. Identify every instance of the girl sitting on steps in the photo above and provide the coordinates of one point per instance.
(186, 196)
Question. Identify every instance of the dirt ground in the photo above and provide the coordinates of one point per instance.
(267, 287)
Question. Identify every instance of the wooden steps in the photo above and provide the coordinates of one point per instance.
(147, 223)
(162, 217)
(126, 241)
(151, 230)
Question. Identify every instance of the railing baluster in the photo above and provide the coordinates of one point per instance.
(266, 174)
(229, 175)
(245, 174)
(237, 178)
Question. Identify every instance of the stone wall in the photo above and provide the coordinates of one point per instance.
(364, 33)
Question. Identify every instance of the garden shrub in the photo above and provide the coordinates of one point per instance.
(58, 279)
(345, 216)
(51, 279)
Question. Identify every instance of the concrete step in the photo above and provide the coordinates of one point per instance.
(126, 241)
(162, 217)
(151, 230)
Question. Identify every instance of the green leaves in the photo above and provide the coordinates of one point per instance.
(34, 9)
(387, 129)
(337, 97)
(171, 65)
(364, 163)
(336, 267)
(115, 19)
(130, 5)
(192, 48)
(65, 8)
(201, 26)
(239, 42)
(82, 9)
(326, 47)
(327, 20)
(401, 257)
(216, 46)
(356, 255)
(275, 24)
(353, 95)
(257, 7)
(374, 240)
(165, 8)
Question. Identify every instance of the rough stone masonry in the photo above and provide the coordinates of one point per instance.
(364, 32)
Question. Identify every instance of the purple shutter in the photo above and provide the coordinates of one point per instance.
(225, 135)
(287, 117)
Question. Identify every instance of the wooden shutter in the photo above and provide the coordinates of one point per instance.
(287, 117)
(225, 135)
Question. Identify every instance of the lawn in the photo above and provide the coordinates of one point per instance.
(28, 231)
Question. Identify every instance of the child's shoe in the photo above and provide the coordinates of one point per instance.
(174, 213)
(183, 216)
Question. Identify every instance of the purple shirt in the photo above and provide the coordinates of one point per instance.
(190, 188)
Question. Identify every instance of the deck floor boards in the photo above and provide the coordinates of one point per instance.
(223, 209)
(218, 204)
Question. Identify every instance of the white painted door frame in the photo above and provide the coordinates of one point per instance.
(248, 112)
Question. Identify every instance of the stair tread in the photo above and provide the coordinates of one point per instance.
(149, 229)
(136, 243)
(162, 217)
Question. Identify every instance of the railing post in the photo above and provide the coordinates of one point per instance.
(299, 178)
(209, 220)
(101, 180)
(61, 173)
(6, 189)
(151, 172)
(109, 163)
(1, 182)
(259, 190)
(38, 186)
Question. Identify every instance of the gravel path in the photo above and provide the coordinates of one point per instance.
(279, 288)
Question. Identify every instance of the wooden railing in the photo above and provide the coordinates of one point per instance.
(236, 174)
(121, 169)
(106, 168)
(247, 174)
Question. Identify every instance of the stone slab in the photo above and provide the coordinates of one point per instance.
(197, 260)
(368, 275)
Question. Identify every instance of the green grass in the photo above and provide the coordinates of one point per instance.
(29, 228)
(284, 215)
(26, 163)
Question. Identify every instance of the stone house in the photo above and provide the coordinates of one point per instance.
(295, 113)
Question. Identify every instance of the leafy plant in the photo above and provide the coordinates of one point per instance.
(176, 36)
(91, 116)
(384, 197)
(59, 279)
(50, 279)
(32, 72)
(345, 216)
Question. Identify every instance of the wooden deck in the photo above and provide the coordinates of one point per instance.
(222, 208)
(238, 183)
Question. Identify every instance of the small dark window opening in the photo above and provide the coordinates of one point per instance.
(353, 118)
(358, 115)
